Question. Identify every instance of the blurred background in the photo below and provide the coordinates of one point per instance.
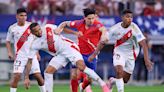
(148, 14)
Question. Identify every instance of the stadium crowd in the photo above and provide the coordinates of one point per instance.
(72, 7)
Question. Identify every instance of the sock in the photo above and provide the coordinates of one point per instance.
(81, 75)
(120, 85)
(94, 76)
(48, 82)
(42, 88)
(85, 82)
(88, 89)
(13, 89)
(74, 85)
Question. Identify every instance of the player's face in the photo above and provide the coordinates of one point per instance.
(89, 19)
(37, 31)
(127, 18)
(21, 17)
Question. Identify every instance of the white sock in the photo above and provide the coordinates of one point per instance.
(48, 82)
(42, 88)
(120, 85)
(13, 89)
(94, 76)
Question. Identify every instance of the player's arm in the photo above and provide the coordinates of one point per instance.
(27, 71)
(38, 56)
(104, 36)
(62, 26)
(70, 31)
(9, 50)
(147, 60)
(96, 52)
(8, 44)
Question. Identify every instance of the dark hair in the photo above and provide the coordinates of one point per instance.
(33, 25)
(88, 11)
(20, 10)
(126, 11)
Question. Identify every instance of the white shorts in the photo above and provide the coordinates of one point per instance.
(20, 63)
(125, 61)
(68, 55)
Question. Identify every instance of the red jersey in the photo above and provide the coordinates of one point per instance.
(91, 36)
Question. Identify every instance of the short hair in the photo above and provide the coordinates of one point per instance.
(126, 11)
(88, 11)
(33, 25)
(20, 10)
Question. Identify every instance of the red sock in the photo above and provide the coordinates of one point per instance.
(74, 85)
(85, 82)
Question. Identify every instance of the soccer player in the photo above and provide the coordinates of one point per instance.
(89, 31)
(20, 33)
(58, 47)
(128, 37)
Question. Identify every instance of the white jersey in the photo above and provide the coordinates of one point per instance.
(58, 42)
(126, 39)
(15, 33)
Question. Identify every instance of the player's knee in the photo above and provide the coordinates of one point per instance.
(80, 65)
(15, 80)
(50, 70)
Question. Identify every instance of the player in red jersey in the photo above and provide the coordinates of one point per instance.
(89, 31)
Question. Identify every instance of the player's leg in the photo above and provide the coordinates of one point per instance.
(76, 59)
(56, 63)
(74, 79)
(87, 80)
(35, 70)
(18, 69)
(128, 69)
(14, 82)
(126, 77)
(81, 66)
(119, 63)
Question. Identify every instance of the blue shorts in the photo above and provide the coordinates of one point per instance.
(91, 65)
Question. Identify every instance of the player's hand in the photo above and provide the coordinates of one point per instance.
(79, 34)
(11, 56)
(149, 65)
(91, 57)
(27, 83)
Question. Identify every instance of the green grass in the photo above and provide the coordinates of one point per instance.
(65, 88)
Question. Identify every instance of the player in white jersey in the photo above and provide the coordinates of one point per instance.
(20, 33)
(128, 37)
(62, 51)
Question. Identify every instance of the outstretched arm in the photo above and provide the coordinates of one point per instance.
(96, 52)
(148, 63)
(27, 71)
(62, 26)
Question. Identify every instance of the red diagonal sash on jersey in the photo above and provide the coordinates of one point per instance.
(22, 39)
(124, 38)
(50, 40)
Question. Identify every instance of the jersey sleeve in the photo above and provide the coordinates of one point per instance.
(138, 34)
(53, 27)
(9, 35)
(111, 32)
(74, 24)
